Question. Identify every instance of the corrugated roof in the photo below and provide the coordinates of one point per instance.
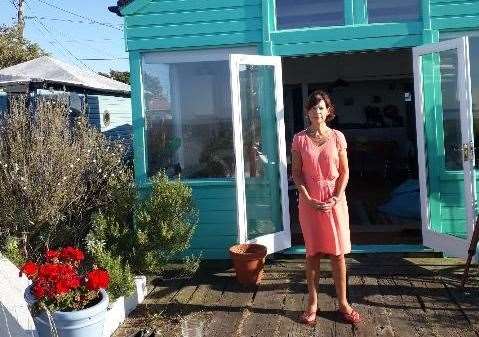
(48, 69)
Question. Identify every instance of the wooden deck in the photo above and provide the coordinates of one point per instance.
(396, 296)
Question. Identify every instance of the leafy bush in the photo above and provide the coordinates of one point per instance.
(165, 222)
(121, 277)
(56, 171)
(13, 252)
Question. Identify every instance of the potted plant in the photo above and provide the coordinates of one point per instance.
(248, 262)
(66, 299)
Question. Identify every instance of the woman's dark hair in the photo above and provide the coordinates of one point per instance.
(318, 96)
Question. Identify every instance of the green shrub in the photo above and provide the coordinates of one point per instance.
(12, 251)
(165, 222)
(148, 232)
(121, 277)
(56, 171)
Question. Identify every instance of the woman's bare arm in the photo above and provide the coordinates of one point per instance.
(343, 178)
(296, 170)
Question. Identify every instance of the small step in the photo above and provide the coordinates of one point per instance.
(412, 250)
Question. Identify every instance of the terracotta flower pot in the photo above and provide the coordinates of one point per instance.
(248, 262)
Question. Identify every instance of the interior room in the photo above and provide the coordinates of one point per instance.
(374, 99)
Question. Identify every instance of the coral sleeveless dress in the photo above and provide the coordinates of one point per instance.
(323, 232)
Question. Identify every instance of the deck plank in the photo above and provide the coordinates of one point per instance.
(262, 317)
(326, 325)
(397, 314)
(377, 321)
(229, 312)
(413, 308)
(446, 319)
(467, 300)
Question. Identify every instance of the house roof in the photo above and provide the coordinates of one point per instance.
(48, 69)
(119, 5)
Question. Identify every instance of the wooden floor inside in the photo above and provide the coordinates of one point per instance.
(396, 296)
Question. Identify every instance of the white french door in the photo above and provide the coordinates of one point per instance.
(445, 145)
(260, 151)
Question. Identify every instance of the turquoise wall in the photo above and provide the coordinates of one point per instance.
(192, 23)
(454, 14)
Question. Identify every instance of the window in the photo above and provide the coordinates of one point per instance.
(474, 71)
(393, 10)
(188, 118)
(309, 13)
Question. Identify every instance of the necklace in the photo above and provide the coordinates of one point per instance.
(317, 138)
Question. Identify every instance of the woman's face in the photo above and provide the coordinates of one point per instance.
(318, 113)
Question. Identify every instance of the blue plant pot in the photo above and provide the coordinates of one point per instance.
(88, 322)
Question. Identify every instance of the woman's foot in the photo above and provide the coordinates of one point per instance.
(308, 317)
(350, 316)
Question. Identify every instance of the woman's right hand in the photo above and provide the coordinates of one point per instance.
(318, 205)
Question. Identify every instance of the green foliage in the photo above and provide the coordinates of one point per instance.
(15, 49)
(55, 173)
(121, 277)
(165, 222)
(121, 76)
(12, 250)
(191, 263)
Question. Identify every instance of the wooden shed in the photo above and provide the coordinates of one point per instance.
(217, 93)
(105, 101)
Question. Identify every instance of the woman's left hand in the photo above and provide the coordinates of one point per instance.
(327, 206)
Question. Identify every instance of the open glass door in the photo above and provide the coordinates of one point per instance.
(445, 145)
(260, 151)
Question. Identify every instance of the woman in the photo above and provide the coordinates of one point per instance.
(320, 172)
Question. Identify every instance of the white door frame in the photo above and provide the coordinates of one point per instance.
(280, 240)
(450, 245)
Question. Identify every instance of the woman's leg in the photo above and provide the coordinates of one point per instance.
(338, 267)
(312, 276)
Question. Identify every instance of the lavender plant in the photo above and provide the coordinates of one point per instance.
(56, 171)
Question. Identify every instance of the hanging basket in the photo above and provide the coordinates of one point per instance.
(248, 262)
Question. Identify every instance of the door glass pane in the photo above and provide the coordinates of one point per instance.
(393, 10)
(309, 13)
(189, 127)
(260, 150)
(474, 60)
(446, 174)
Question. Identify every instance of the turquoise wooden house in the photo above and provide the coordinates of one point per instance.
(217, 94)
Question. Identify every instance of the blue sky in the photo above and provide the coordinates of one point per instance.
(70, 37)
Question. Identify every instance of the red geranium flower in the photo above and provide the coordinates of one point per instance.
(52, 254)
(49, 270)
(72, 253)
(98, 278)
(29, 269)
(61, 283)
(39, 290)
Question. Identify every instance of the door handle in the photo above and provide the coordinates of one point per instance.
(468, 151)
(465, 152)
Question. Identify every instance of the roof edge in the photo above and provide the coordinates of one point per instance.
(120, 4)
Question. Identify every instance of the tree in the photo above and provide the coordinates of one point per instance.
(121, 76)
(15, 49)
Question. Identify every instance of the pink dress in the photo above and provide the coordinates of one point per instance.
(323, 232)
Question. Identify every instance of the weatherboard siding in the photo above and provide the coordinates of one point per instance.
(454, 14)
(346, 38)
(179, 24)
